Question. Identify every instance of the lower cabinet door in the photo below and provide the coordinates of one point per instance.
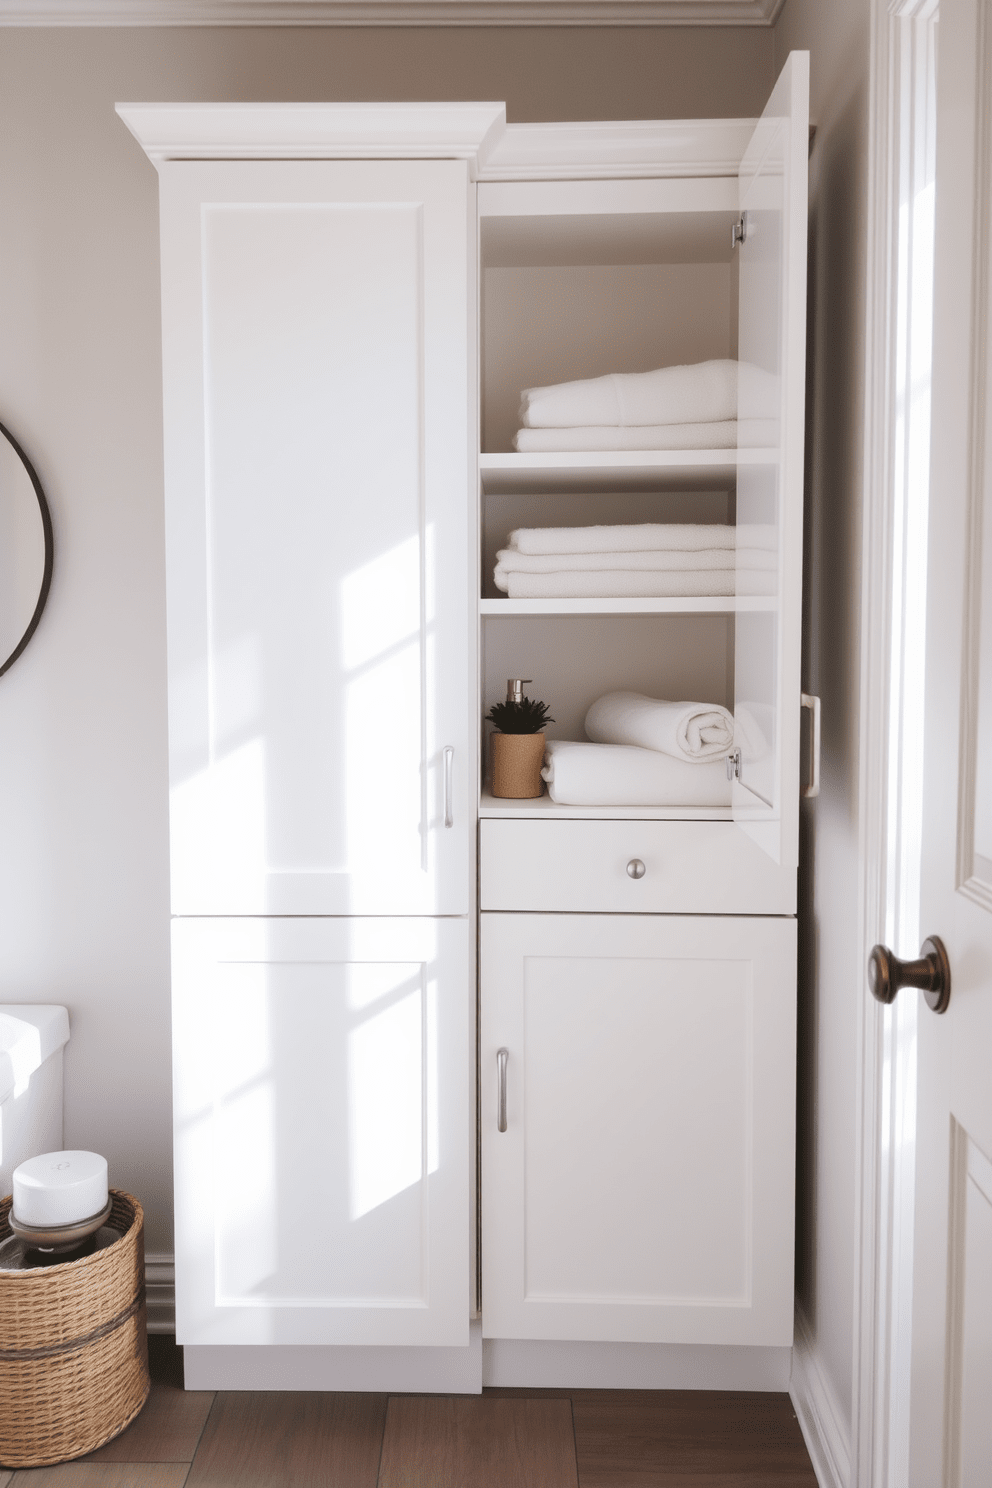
(643, 1186)
(322, 1130)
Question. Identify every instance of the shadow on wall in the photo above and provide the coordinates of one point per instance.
(831, 626)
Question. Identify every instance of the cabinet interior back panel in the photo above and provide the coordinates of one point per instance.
(548, 325)
(574, 659)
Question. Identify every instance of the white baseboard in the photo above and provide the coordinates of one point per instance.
(537, 1364)
(821, 1419)
(439, 1371)
(520, 1363)
(160, 1291)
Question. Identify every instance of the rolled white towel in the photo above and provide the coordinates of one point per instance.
(510, 561)
(621, 583)
(701, 392)
(689, 731)
(721, 434)
(619, 775)
(630, 537)
(759, 394)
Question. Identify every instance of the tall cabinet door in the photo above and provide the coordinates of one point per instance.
(771, 348)
(319, 334)
(322, 1130)
(638, 1112)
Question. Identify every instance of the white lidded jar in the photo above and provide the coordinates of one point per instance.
(60, 1189)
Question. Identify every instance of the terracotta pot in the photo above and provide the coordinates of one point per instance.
(517, 761)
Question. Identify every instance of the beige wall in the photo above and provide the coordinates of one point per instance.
(831, 975)
(83, 797)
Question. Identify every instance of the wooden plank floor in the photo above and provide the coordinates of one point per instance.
(501, 1439)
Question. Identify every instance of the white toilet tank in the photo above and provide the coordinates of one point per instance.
(32, 1036)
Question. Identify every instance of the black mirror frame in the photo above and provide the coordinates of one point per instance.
(46, 578)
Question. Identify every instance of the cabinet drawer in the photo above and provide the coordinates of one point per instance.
(581, 866)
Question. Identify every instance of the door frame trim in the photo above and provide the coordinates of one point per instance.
(902, 46)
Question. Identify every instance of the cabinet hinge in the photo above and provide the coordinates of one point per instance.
(738, 233)
(734, 765)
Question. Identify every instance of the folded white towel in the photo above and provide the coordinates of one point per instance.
(619, 775)
(703, 392)
(632, 537)
(509, 561)
(719, 435)
(756, 558)
(621, 583)
(689, 731)
(757, 581)
(762, 535)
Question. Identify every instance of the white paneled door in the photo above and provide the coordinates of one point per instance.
(951, 1424)
(322, 1130)
(319, 332)
(637, 1104)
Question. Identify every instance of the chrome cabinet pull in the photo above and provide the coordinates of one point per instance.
(449, 755)
(502, 1055)
(635, 868)
(812, 787)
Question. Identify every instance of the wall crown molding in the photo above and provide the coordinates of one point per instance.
(389, 12)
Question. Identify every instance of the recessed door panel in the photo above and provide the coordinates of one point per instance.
(322, 1130)
(642, 1188)
(318, 536)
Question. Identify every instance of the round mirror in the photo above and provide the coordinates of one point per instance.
(25, 550)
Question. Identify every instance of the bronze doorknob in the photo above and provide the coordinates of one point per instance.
(931, 973)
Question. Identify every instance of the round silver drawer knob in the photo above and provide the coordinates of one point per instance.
(635, 868)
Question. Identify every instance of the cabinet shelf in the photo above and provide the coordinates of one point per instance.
(543, 808)
(616, 470)
(717, 604)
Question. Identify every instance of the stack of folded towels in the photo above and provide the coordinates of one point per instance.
(672, 408)
(649, 559)
(645, 752)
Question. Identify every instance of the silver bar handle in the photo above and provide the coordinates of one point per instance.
(449, 755)
(502, 1055)
(812, 787)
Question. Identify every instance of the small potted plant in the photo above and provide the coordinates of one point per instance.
(518, 746)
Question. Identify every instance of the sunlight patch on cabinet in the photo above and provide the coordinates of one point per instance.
(323, 1087)
(383, 641)
(224, 804)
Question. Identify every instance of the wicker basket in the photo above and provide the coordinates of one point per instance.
(73, 1347)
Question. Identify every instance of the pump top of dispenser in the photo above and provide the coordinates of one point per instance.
(515, 688)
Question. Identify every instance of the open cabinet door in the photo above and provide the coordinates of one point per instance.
(771, 401)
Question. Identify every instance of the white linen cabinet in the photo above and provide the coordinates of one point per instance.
(323, 378)
(638, 980)
(319, 328)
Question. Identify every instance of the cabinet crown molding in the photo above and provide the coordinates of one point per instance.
(615, 150)
(314, 131)
(389, 12)
(476, 132)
